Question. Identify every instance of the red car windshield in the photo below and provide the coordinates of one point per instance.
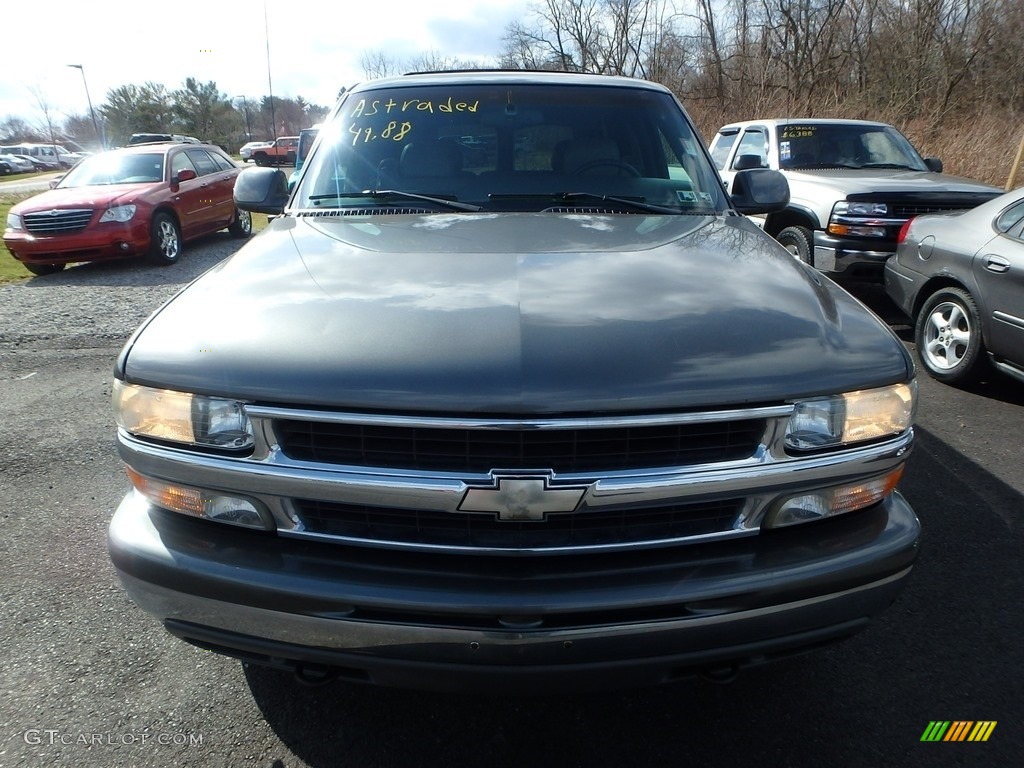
(110, 168)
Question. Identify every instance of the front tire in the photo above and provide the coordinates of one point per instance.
(948, 336)
(44, 269)
(165, 248)
(241, 227)
(799, 242)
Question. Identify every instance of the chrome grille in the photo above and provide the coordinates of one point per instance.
(57, 221)
(569, 530)
(570, 450)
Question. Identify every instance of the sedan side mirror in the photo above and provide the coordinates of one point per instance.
(261, 190)
(934, 164)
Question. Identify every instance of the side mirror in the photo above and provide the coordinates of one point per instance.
(55, 181)
(261, 190)
(760, 191)
(746, 162)
(185, 174)
(934, 164)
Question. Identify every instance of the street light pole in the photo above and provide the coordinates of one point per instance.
(88, 98)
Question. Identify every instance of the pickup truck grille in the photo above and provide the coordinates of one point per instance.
(905, 211)
(572, 530)
(481, 450)
(57, 222)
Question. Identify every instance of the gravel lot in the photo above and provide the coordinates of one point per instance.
(96, 305)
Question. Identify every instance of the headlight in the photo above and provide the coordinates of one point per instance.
(854, 417)
(858, 219)
(197, 502)
(121, 213)
(180, 417)
(846, 208)
(13, 221)
(829, 502)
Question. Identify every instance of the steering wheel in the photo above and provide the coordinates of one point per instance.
(624, 168)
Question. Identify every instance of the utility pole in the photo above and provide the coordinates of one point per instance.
(92, 114)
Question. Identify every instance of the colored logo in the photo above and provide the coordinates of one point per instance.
(958, 730)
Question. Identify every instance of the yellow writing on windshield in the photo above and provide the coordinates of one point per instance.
(364, 108)
(393, 131)
(797, 132)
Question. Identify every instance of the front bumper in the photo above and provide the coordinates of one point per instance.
(464, 622)
(903, 285)
(855, 258)
(102, 241)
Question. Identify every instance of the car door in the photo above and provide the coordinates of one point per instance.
(999, 271)
(190, 198)
(753, 142)
(218, 183)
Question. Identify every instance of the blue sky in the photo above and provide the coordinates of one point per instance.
(315, 46)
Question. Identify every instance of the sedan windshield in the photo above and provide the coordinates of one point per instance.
(511, 147)
(116, 169)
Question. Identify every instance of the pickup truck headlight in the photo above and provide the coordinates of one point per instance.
(853, 417)
(858, 219)
(13, 221)
(181, 417)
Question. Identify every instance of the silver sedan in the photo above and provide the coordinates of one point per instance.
(960, 277)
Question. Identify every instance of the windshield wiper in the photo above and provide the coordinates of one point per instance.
(380, 194)
(638, 204)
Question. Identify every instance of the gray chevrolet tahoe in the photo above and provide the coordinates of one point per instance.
(510, 395)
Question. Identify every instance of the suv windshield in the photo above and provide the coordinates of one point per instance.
(511, 146)
(823, 145)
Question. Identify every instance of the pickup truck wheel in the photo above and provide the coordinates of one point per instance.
(948, 336)
(797, 240)
(165, 247)
(260, 158)
(242, 225)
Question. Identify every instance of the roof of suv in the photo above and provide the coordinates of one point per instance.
(528, 76)
(803, 121)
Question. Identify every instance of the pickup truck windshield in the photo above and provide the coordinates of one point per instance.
(823, 145)
(512, 147)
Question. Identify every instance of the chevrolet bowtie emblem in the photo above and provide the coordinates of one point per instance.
(522, 498)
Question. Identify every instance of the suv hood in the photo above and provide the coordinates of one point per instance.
(513, 314)
(882, 181)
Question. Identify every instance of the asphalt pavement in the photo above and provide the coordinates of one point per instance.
(89, 680)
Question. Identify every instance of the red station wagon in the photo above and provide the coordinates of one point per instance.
(145, 200)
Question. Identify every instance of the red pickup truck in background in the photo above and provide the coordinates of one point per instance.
(281, 152)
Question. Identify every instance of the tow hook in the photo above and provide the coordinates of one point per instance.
(314, 675)
(722, 675)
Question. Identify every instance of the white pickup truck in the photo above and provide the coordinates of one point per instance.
(853, 184)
